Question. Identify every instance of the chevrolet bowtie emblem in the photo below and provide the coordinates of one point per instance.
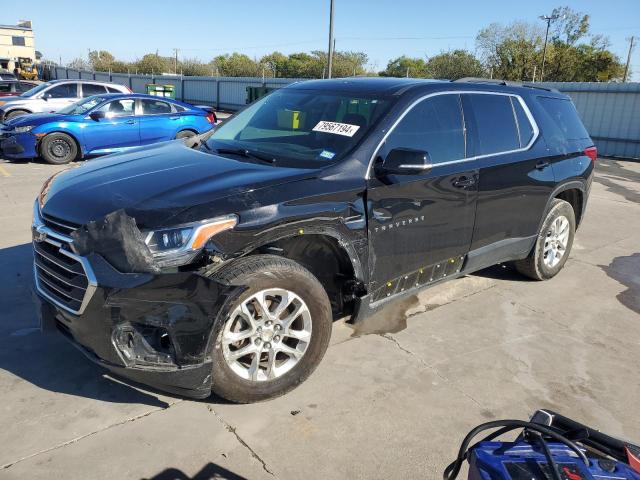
(39, 236)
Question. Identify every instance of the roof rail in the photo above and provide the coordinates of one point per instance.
(496, 81)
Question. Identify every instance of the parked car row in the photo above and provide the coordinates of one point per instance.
(12, 88)
(63, 120)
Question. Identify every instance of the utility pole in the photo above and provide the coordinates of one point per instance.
(546, 18)
(626, 67)
(175, 61)
(331, 43)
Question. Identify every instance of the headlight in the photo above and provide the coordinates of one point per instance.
(172, 247)
(25, 129)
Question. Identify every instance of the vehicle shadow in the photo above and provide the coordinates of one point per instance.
(501, 272)
(47, 360)
(211, 471)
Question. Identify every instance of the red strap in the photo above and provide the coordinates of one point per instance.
(634, 462)
(570, 475)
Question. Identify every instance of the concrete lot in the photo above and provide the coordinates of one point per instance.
(381, 405)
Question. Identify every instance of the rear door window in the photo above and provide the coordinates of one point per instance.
(24, 87)
(155, 107)
(66, 90)
(564, 117)
(495, 123)
(90, 89)
(436, 126)
(114, 90)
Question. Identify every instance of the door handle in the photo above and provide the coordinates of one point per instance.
(130, 122)
(464, 181)
(174, 118)
(542, 164)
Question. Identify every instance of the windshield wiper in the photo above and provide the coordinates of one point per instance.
(243, 152)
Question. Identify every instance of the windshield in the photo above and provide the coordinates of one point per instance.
(300, 127)
(34, 90)
(81, 106)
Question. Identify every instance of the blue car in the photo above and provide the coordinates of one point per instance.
(99, 125)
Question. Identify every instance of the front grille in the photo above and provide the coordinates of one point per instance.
(60, 226)
(61, 276)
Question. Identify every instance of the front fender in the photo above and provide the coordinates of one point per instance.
(60, 127)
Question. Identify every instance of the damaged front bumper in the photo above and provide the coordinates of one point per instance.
(153, 328)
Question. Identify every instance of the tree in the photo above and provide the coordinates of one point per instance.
(570, 26)
(406, 67)
(347, 64)
(454, 65)
(194, 67)
(275, 64)
(511, 52)
(514, 51)
(236, 65)
(153, 63)
(101, 61)
(79, 64)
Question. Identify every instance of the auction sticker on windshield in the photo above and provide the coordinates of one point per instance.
(336, 128)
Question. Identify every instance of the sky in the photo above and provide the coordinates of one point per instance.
(384, 29)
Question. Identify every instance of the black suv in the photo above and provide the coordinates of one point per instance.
(218, 264)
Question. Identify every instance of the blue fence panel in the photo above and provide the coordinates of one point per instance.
(611, 114)
(102, 76)
(120, 78)
(139, 82)
(200, 90)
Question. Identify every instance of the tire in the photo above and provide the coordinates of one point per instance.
(558, 228)
(15, 114)
(58, 148)
(186, 134)
(240, 381)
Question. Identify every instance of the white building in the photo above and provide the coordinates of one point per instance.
(16, 41)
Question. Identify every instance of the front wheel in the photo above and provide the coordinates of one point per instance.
(58, 148)
(276, 332)
(553, 244)
(15, 114)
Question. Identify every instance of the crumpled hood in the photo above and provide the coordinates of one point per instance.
(152, 184)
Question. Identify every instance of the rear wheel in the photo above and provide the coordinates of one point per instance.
(277, 330)
(553, 244)
(185, 134)
(58, 148)
(15, 114)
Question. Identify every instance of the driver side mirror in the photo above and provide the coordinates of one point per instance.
(46, 96)
(404, 161)
(96, 116)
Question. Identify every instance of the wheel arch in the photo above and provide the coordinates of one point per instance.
(17, 109)
(327, 255)
(79, 144)
(186, 129)
(573, 192)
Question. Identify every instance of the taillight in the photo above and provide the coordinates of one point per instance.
(592, 153)
(211, 117)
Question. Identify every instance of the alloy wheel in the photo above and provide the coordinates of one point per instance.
(556, 240)
(267, 335)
